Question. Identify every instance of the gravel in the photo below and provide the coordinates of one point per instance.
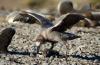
(80, 51)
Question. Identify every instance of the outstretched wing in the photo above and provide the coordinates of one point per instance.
(41, 19)
(67, 21)
(5, 38)
(30, 17)
(7, 35)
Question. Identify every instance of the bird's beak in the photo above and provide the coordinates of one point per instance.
(89, 22)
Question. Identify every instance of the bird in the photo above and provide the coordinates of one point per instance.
(64, 7)
(56, 33)
(5, 39)
(94, 16)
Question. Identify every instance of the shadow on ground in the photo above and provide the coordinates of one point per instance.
(95, 57)
(56, 54)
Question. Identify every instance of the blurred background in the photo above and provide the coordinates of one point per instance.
(7, 6)
(49, 4)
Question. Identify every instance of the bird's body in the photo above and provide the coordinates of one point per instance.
(53, 37)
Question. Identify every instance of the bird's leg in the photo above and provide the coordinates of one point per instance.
(61, 47)
(36, 49)
(38, 44)
(52, 46)
(53, 43)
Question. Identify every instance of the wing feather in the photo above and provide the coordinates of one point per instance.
(67, 21)
(41, 19)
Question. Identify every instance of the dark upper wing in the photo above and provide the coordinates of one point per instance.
(6, 37)
(67, 21)
(41, 19)
(28, 17)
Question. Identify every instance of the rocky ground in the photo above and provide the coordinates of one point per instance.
(80, 51)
